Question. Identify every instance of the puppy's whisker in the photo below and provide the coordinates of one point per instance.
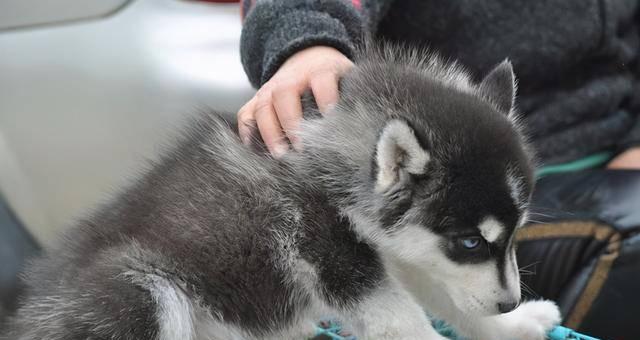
(530, 220)
(529, 290)
(538, 209)
(529, 265)
(539, 214)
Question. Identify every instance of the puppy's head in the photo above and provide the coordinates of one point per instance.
(432, 169)
(450, 182)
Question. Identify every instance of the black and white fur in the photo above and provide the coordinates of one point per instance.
(368, 224)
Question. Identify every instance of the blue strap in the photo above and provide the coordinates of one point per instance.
(585, 163)
(332, 329)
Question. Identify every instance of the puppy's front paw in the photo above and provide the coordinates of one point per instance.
(532, 320)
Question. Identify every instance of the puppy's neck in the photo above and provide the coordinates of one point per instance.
(343, 177)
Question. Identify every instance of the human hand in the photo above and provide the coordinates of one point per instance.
(276, 109)
(629, 159)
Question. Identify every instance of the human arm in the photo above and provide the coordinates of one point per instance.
(291, 46)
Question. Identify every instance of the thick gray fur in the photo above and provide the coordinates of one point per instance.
(217, 241)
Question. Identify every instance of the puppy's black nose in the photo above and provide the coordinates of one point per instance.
(507, 307)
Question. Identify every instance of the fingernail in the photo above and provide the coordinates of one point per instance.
(295, 142)
(279, 150)
(297, 145)
(329, 108)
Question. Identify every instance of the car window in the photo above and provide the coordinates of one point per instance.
(26, 13)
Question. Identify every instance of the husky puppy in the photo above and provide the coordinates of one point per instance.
(404, 199)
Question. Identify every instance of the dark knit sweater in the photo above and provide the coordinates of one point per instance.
(576, 60)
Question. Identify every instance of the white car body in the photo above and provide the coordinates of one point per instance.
(87, 96)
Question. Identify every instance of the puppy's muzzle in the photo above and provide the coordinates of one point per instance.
(506, 307)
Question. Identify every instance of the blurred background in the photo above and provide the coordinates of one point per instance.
(90, 90)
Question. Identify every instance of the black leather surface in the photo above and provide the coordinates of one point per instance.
(615, 314)
(554, 264)
(610, 196)
(564, 265)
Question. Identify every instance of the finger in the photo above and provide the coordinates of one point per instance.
(325, 90)
(246, 121)
(289, 111)
(270, 128)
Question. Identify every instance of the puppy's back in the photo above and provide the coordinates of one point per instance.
(198, 234)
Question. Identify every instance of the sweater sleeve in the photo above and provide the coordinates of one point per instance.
(274, 30)
(632, 138)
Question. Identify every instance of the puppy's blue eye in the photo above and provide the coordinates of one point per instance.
(471, 242)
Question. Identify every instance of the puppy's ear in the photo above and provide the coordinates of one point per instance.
(499, 86)
(398, 153)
